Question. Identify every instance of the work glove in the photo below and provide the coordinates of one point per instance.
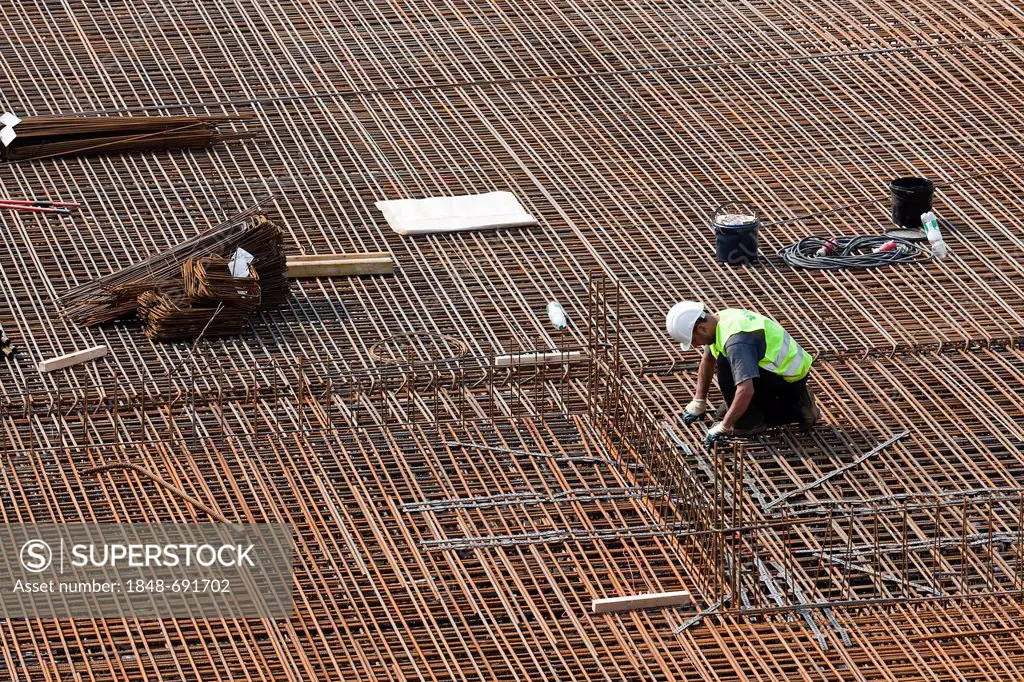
(695, 410)
(716, 434)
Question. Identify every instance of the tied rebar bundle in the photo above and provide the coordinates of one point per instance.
(171, 317)
(209, 280)
(207, 300)
(44, 137)
(265, 241)
(117, 295)
(188, 290)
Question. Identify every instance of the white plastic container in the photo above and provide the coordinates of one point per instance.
(556, 313)
(931, 228)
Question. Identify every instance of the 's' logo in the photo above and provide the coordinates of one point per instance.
(36, 556)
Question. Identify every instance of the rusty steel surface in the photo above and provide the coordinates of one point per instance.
(454, 520)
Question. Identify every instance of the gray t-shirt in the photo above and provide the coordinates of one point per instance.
(744, 350)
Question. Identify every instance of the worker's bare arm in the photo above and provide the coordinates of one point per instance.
(704, 374)
(740, 403)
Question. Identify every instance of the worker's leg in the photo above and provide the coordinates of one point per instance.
(785, 402)
(806, 410)
(752, 421)
(769, 392)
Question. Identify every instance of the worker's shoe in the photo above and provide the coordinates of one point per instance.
(721, 410)
(808, 410)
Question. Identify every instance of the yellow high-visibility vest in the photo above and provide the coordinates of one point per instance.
(782, 354)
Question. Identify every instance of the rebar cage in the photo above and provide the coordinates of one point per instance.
(738, 553)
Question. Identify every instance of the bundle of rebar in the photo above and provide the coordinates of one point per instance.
(209, 281)
(265, 241)
(174, 318)
(205, 299)
(116, 295)
(6, 347)
(44, 137)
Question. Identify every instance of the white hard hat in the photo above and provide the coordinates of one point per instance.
(680, 320)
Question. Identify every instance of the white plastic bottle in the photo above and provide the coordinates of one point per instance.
(931, 227)
(556, 313)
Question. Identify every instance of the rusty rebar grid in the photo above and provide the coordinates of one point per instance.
(621, 125)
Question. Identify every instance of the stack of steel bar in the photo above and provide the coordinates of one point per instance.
(170, 317)
(265, 243)
(622, 126)
(45, 137)
(112, 296)
(189, 290)
(209, 280)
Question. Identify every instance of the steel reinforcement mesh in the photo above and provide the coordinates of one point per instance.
(621, 126)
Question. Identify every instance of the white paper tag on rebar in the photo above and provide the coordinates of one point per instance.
(7, 135)
(240, 263)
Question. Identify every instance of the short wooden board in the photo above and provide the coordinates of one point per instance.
(340, 265)
(72, 359)
(548, 358)
(654, 600)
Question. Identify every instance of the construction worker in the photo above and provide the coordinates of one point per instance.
(762, 371)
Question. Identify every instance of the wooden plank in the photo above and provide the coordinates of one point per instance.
(340, 265)
(653, 600)
(321, 257)
(548, 358)
(71, 359)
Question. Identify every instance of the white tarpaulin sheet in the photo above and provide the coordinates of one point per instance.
(454, 214)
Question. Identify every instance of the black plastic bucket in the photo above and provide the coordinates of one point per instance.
(910, 198)
(736, 225)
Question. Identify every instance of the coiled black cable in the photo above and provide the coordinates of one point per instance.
(850, 252)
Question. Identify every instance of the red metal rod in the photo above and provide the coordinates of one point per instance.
(36, 209)
(39, 202)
